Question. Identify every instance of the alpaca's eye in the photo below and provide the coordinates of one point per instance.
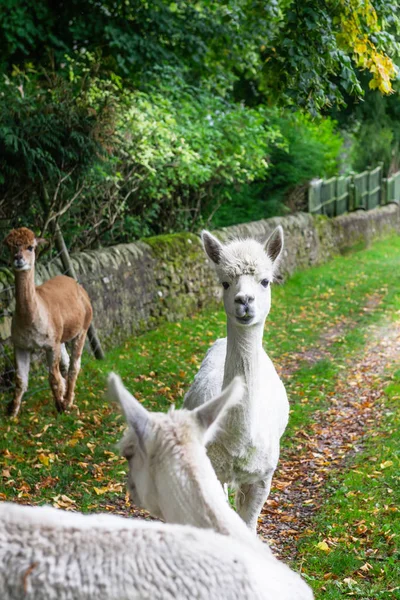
(265, 283)
(225, 284)
(30, 248)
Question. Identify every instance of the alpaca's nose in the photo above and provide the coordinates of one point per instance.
(244, 299)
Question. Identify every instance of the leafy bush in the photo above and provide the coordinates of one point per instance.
(115, 165)
(52, 133)
(178, 154)
(312, 150)
(305, 149)
(246, 203)
(373, 143)
(375, 132)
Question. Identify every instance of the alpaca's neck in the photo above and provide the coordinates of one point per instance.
(26, 302)
(194, 496)
(243, 353)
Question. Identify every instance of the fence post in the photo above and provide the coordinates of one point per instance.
(310, 198)
(352, 193)
(381, 179)
(368, 169)
(69, 269)
(335, 204)
(384, 192)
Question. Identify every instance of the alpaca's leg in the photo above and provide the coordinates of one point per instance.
(22, 362)
(250, 499)
(74, 367)
(64, 361)
(56, 381)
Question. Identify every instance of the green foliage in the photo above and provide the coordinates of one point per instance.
(374, 126)
(245, 203)
(206, 41)
(51, 134)
(302, 52)
(177, 154)
(373, 142)
(306, 148)
(145, 117)
(134, 163)
(312, 150)
(311, 62)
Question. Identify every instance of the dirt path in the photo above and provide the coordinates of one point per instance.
(331, 438)
(289, 363)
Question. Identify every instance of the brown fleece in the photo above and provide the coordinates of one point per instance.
(20, 237)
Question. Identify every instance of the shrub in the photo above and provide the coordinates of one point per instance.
(178, 155)
(306, 148)
(312, 150)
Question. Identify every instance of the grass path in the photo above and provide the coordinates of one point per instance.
(332, 334)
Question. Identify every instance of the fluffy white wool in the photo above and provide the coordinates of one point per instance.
(48, 554)
(243, 257)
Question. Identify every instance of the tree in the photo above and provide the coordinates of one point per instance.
(306, 52)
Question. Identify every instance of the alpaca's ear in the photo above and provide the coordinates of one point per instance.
(210, 414)
(136, 415)
(274, 244)
(40, 241)
(212, 246)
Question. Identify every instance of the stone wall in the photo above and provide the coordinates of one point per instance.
(135, 286)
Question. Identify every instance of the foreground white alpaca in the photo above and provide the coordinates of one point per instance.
(48, 554)
(245, 453)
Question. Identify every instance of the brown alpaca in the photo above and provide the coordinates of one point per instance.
(46, 316)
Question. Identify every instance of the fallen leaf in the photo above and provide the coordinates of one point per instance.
(323, 546)
(349, 581)
(45, 460)
(386, 464)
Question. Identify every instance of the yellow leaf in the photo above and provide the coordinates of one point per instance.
(100, 491)
(44, 459)
(323, 546)
(386, 87)
(72, 442)
(386, 464)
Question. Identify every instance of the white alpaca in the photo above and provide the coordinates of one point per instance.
(47, 554)
(245, 453)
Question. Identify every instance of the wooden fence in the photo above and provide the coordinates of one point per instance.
(335, 196)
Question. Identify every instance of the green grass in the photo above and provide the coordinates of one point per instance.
(50, 458)
(360, 522)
